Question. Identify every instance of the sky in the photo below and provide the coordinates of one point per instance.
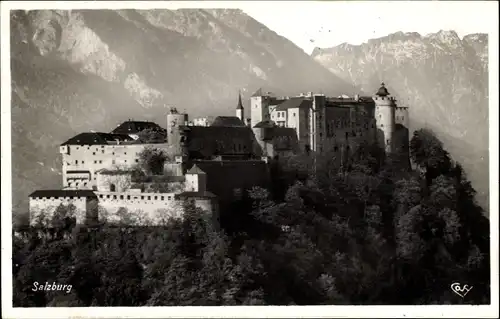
(329, 23)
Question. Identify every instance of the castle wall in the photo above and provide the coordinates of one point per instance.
(113, 181)
(141, 208)
(45, 207)
(81, 162)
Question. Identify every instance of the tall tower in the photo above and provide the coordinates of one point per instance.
(174, 121)
(240, 111)
(385, 107)
(259, 108)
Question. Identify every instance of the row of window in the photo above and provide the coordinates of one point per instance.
(98, 162)
(129, 197)
(59, 198)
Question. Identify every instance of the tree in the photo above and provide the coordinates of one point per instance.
(151, 160)
(152, 136)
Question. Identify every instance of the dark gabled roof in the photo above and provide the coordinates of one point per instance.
(63, 193)
(265, 124)
(133, 127)
(196, 194)
(227, 121)
(195, 170)
(294, 102)
(92, 138)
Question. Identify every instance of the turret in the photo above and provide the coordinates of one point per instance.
(196, 180)
(385, 106)
(174, 120)
(240, 111)
(259, 107)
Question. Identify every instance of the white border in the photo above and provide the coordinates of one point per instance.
(490, 311)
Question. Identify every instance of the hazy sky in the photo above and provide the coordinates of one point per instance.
(329, 23)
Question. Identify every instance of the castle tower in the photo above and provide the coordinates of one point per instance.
(259, 108)
(174, 121)
(196, 180)
(385, 107)
(240, 111)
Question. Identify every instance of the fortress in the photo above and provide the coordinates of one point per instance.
(212, 165)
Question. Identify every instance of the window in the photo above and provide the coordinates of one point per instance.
(294, 114)
(112, 188)
(137, 161)
(114, 197)
(149, 197)
(121, 196)
(101, 196)
(100, 162)
(128, 197)
(113, 161)
(103, 151)
(162, 197)
(142, 197)
(76, 161)
(93, 153)
(402, 118)
(156, 197)
(83, 162)
(95, 162)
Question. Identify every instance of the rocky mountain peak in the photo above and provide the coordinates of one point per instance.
(442, 78)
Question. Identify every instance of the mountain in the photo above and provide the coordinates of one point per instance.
(441, 78)
(75, 71)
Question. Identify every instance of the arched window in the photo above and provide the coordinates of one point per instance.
(112, 188)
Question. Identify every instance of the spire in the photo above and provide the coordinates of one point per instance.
(240, 104)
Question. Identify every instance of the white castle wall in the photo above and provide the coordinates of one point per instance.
(91, 158)
(138, 208)
(42, 209)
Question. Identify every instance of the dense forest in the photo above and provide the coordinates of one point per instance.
(364, 233)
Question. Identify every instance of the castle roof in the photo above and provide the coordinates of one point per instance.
(63, 193)
(92, 138)
(257, 93)
(382, 91)
(240, 104)
(133, 127)
(195, 170)
(293, 103)
(227, 121)
(265, 124)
